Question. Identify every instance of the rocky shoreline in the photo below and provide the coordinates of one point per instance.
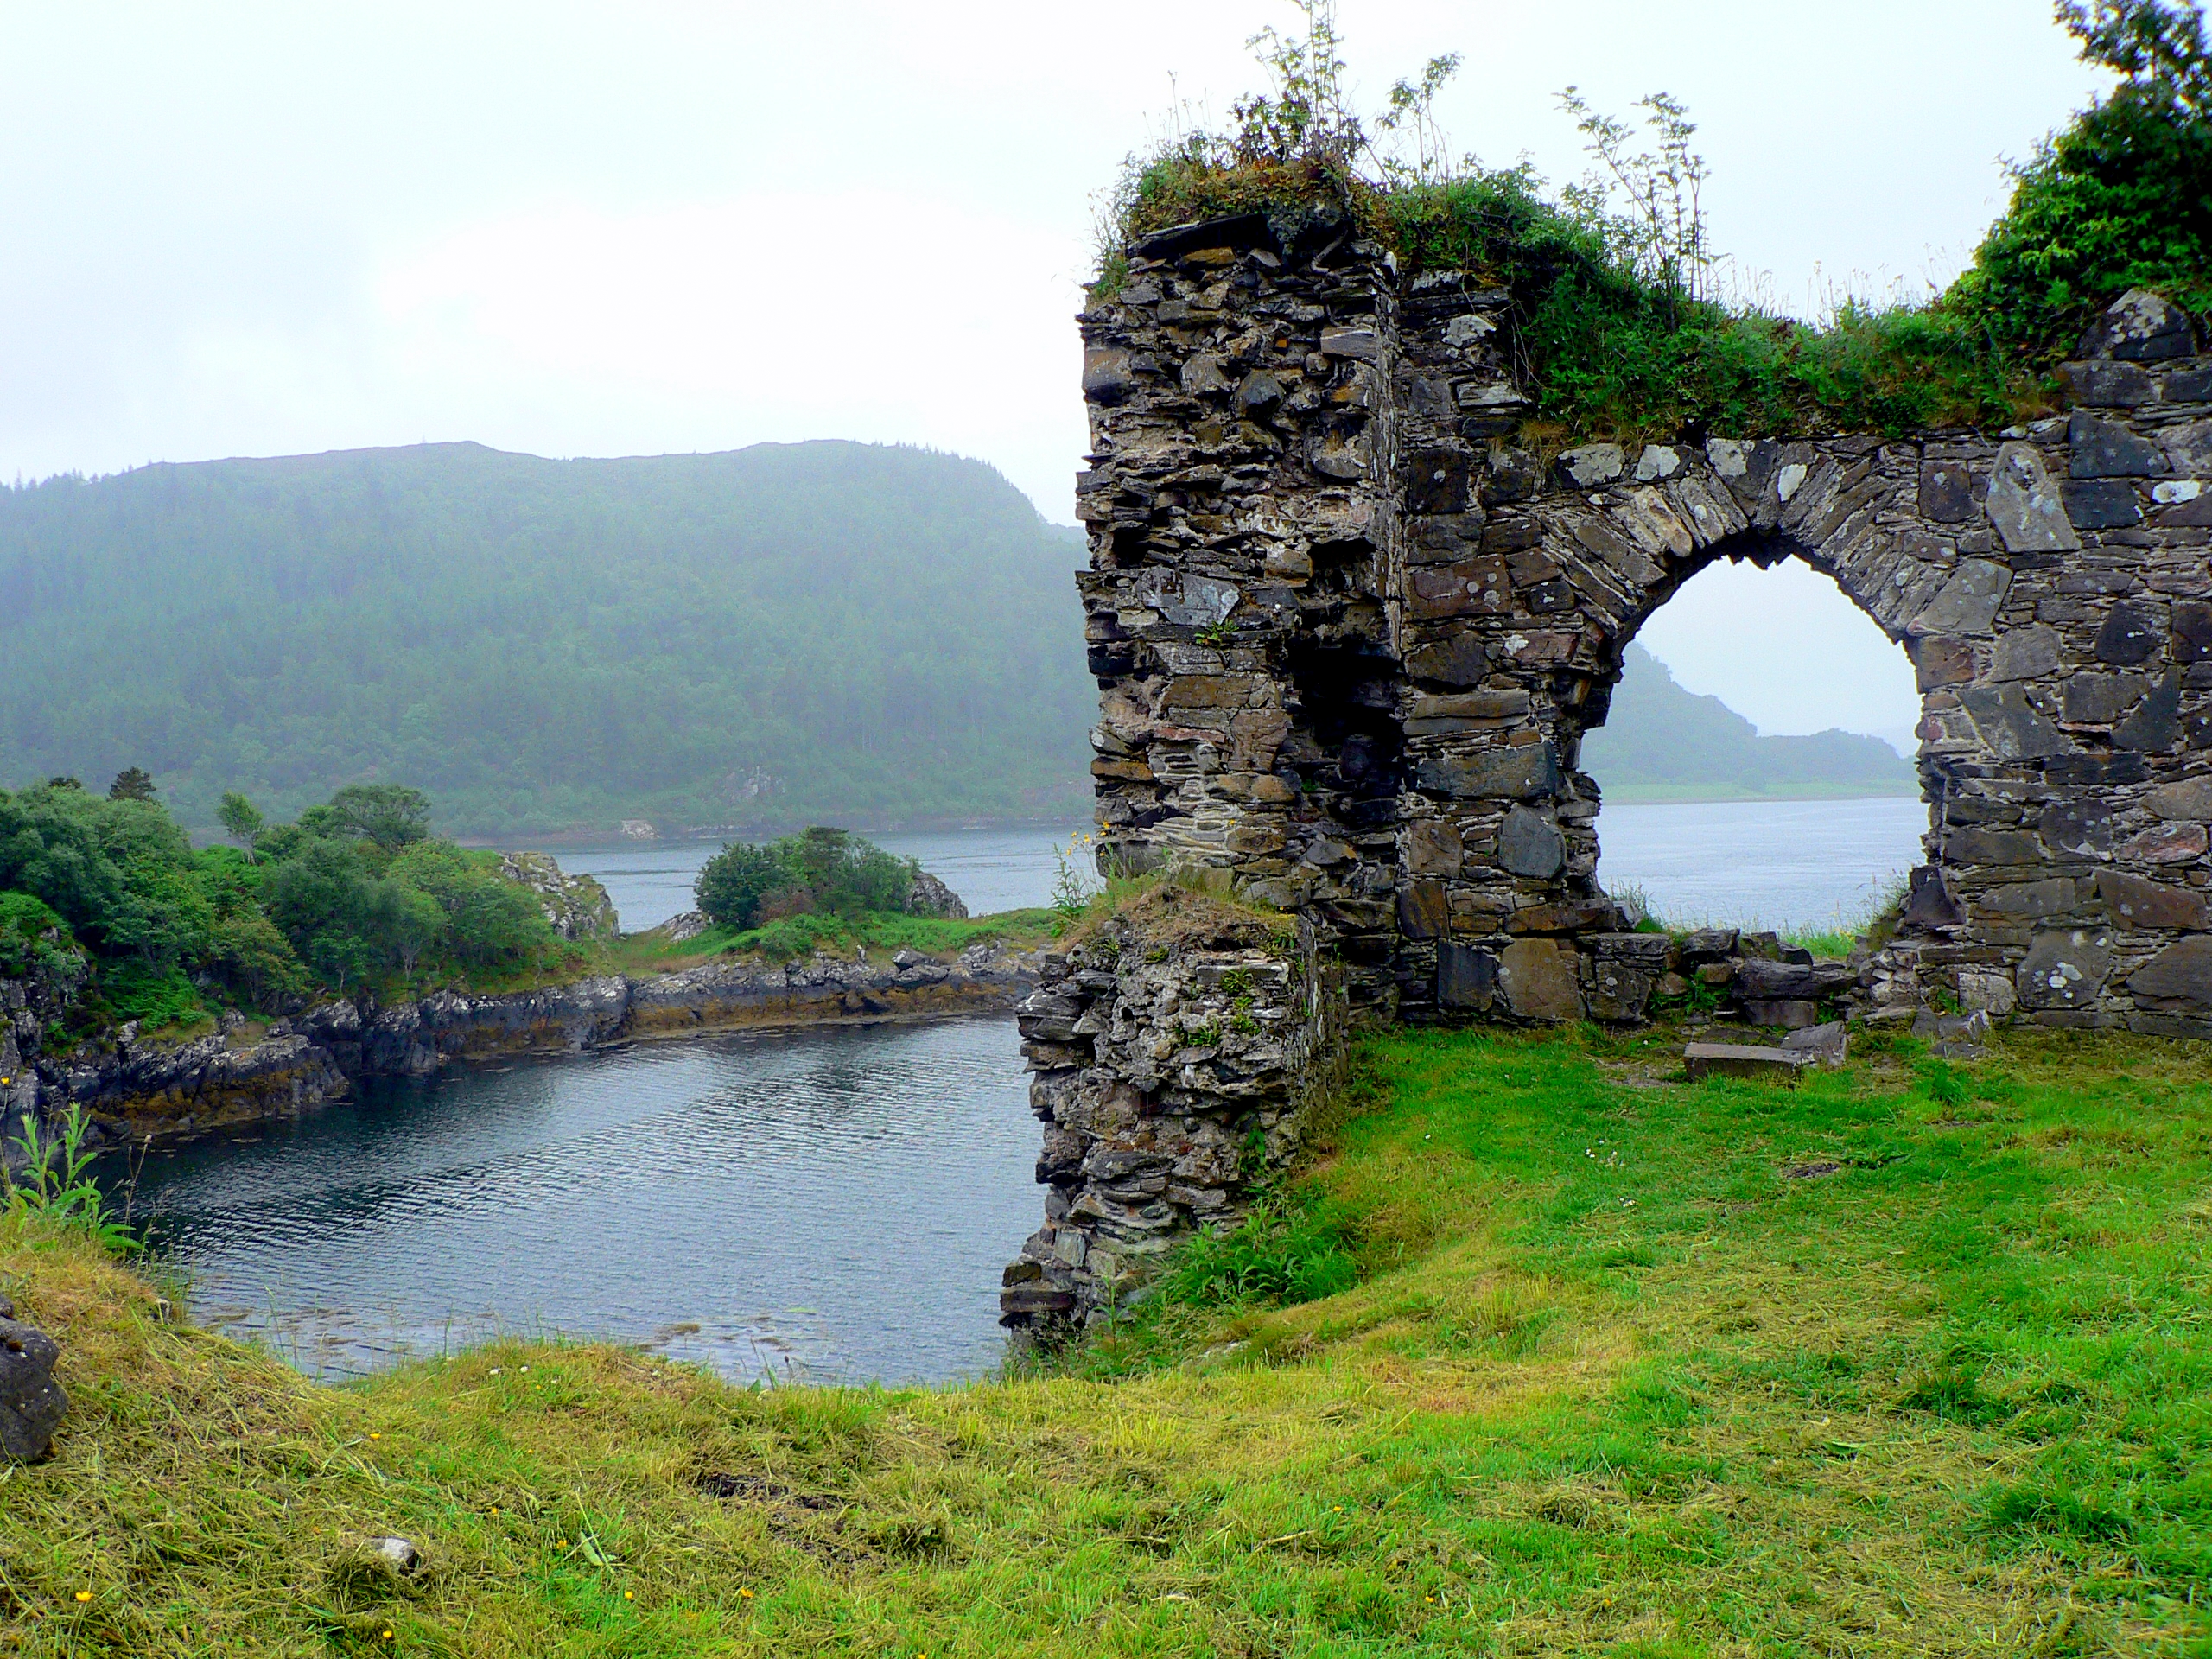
(138, 1092)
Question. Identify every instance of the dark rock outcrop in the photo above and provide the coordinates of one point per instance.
(136, 1091)
(32, 1403)
(929, 897)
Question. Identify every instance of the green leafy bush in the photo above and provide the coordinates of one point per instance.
(480, 917)
(152, 996)
(821, 868)
(32, 938)
(732, 884)
(2121, 198)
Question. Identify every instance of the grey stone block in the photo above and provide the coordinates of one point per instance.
(1703, 1060)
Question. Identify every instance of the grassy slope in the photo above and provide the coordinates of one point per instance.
(1619, 1382)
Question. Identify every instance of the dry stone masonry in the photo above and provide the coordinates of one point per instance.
(1178, 1056)
(1348, 632)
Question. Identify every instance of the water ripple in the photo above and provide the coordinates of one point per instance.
(833, 1203)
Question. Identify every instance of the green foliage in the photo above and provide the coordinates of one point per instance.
(153, 996)
(784, 632)
(1074, 878)
(478, 917)
(353, 891)
(387, 816)
(845, 874)
(790, 937)
(2120, 198)
(732, 884)
(1282, 1253)
(255, 959)
(353, 914)
(132, 784)
(821, 868)
(1615, 351)
(56, 1186)
(240, 818)
(33, 938)
(342, 920)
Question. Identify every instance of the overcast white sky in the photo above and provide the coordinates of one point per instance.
(615, 229)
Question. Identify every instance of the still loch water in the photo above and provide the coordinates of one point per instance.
(834, 1204)
(1778, 864)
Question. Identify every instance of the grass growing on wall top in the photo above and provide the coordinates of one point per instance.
(1903, 1361)
(1607, 352)
(1621, 328)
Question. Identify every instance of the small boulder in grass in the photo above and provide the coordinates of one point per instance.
(372, 1569)
(32, 1403)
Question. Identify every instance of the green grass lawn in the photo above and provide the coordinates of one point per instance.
(1909, 1360)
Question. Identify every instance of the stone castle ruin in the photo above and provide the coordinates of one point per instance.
(1348, 633)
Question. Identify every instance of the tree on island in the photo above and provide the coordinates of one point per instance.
(820, 869)
(241, 820)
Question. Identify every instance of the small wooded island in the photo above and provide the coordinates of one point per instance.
(156, 990)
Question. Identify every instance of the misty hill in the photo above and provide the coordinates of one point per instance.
(778, 634)
(1663, 743)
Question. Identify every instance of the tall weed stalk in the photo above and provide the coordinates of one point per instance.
(55, 1184)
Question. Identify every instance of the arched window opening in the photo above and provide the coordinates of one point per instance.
(1755, 764)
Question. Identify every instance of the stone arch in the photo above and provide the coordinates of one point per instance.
(1584, 701)
(1348, 632)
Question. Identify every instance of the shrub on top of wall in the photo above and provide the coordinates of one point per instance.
(2120, 199)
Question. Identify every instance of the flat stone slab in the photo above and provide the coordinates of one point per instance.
(1827, 1044)
(1741, 1060)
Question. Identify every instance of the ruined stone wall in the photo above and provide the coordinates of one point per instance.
(1179, 1054)
(1348, 635)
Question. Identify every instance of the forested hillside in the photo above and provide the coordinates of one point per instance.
(769, 635)
(1661, 743)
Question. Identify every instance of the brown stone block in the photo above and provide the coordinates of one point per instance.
(1460, 661)
(2179, 974)
(1940, 661)
(1250, 836)
(1991, 847)
(1467, 587)
(1424, 910)
(1212, 690)
(1538, 978)
(1125, 771)
(2136, 902)
(1432, 847)
(2190, 799)
(1559, 919)
(1507, 703)
(1703, 1060)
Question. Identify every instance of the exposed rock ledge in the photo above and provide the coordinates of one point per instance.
(143, 1091)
